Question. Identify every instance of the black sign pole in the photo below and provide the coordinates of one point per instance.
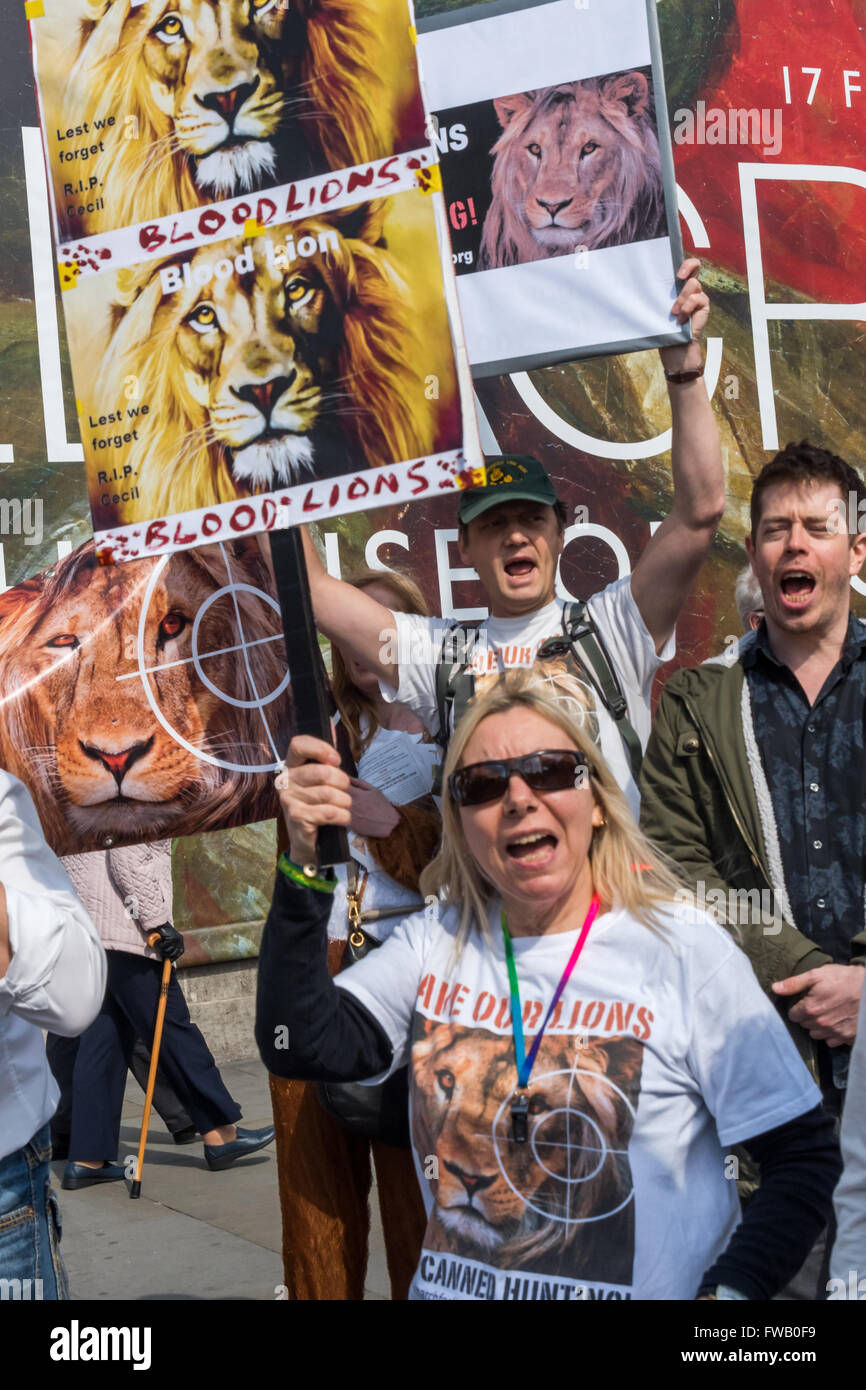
(311, 692)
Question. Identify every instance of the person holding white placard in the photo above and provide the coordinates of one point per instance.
(512, 533)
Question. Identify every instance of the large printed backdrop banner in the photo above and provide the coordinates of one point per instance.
(552, 131)
(245, 206)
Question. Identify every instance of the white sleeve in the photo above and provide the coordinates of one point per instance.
(56, 978)
(386, 982)
(746, 1066)
(849, 1252)
(627, 638)
(419, 645)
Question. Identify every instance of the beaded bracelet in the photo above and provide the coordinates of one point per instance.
(306, 877)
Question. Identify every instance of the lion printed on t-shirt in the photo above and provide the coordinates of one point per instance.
(562, 1201)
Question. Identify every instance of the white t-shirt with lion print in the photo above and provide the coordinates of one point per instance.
(662, 1053)
(504, 643)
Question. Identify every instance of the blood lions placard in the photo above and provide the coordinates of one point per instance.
(249, 226)
(146, 700)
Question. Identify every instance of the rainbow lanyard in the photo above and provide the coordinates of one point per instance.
(520, 1104)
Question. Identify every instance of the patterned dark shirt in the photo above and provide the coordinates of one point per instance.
(815, 762)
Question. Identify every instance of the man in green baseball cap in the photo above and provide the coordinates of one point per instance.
(511, 527)
(511, 531)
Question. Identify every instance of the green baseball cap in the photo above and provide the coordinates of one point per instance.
(506, 478)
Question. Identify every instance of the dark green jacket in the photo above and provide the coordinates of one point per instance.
(700, 806)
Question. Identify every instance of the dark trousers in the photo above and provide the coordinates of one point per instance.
(62, 1052)
(105, 1052)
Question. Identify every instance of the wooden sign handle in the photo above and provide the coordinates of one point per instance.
(313, 700)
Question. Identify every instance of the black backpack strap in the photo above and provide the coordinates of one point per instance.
(455, 685)
(585, 640)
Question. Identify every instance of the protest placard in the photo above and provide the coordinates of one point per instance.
(551, 128)
(148, 108)
(250, 250)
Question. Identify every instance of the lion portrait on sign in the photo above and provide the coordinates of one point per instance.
(214, 98)
(264, 363)
(577, 165)
(560, 1202)
(78, 726)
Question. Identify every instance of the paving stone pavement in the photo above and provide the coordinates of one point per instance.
(192, 1234)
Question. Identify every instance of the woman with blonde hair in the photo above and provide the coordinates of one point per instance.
(585, 1046)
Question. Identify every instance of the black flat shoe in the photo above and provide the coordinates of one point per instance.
(219, 1156)
(185, 1136)
(77, 1175)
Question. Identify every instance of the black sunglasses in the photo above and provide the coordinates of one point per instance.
(551, 771)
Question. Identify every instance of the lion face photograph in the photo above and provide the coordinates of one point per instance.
(268, 362)
(563, 1200)
(105, 754)
(576, 165)
(179, 103)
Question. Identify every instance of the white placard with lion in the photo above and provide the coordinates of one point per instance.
(550, 126)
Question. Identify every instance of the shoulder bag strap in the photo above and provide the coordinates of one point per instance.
(584, 637)
(455, 686)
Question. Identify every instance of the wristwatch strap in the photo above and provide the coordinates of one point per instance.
(680, 378)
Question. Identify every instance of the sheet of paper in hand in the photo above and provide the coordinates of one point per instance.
(249, 232)
(400, 767)
(556, 163)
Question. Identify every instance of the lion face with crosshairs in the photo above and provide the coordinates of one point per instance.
(520, 1204)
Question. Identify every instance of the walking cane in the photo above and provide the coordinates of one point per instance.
(135, 1190)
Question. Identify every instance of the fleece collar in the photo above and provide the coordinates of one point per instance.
(765, 808)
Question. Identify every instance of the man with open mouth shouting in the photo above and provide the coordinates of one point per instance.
(601, 656)
(753, 779)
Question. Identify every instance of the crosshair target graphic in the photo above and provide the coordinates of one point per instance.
(587, 1176)
(198, 659)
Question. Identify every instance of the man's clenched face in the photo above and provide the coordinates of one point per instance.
(515, 549)
(803, 559)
